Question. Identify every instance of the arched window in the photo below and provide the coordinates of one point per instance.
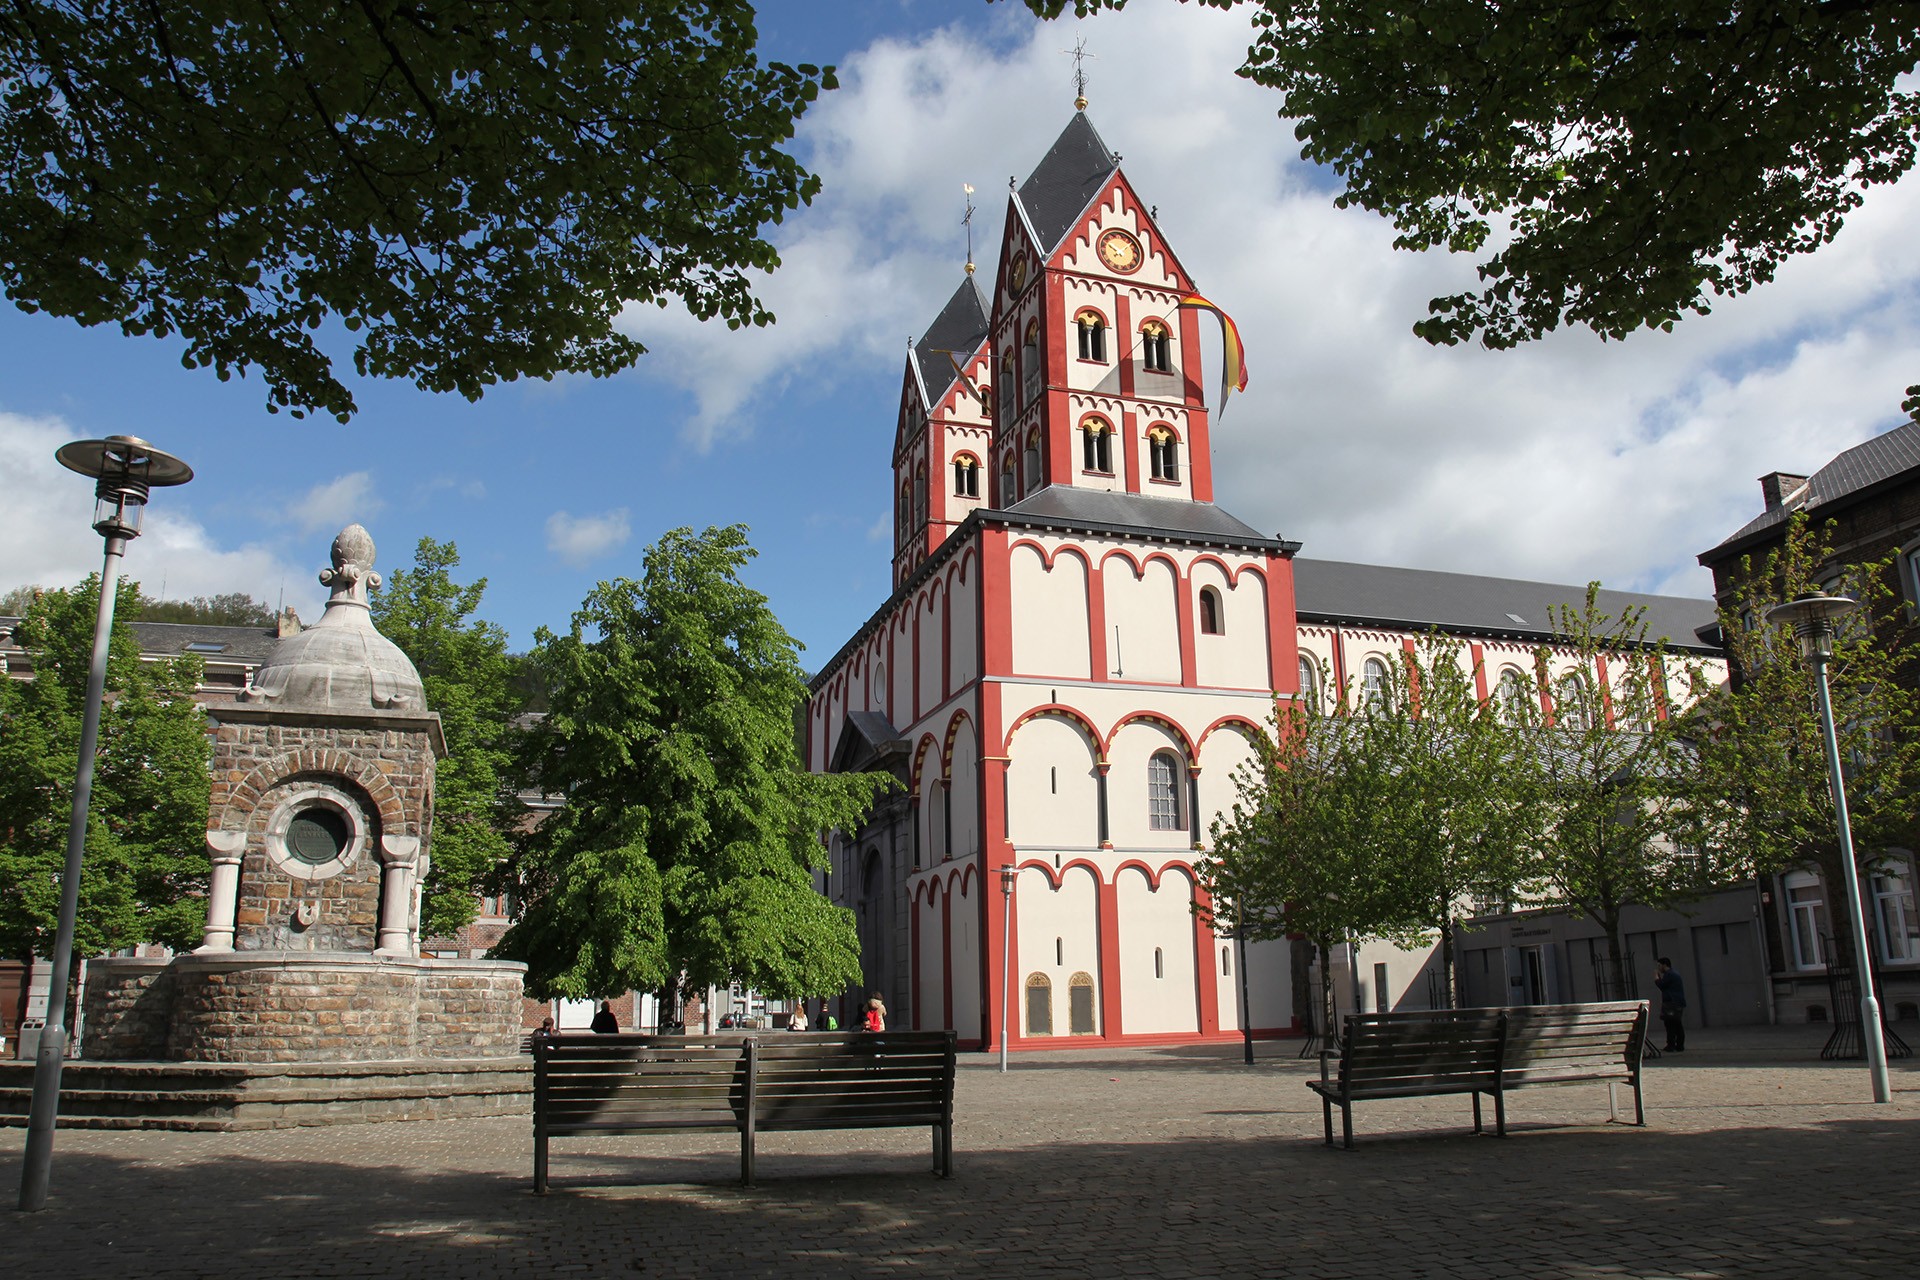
(1156, 347)
(1159, 964)
(1226, 962)
(1009, 492)
(1210, 617)
(905, 521)
(1093, 335)
(1080, 1004)
(966, 476)
(1510, 695)
(986, 401)
(1008, 380)
(1096, 446)
(1309, 681)
(1030, 364)
(1032, 461)
(1163, 791)
(920, 496)
(1163, 453)
(1374, 683)
(1570, 703)
(1039, 1005)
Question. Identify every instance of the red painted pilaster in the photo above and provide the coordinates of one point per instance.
(1124, 340)
(1097, 665)
(1477, 655)
(1110, 1026)
(1283, 634)
(1205, 968)
(1183, 601)
(996, 605)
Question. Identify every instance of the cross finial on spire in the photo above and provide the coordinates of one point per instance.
(1079, 55)
(967, 222)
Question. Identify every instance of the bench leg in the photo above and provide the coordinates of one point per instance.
(1613, 1102)
(1500, 1113)
(1639, 1106)
(1326, 1115)
(1476, 1114)
(746, 1156)
(1346, 1125)
(943, 1150)
(540, 1164)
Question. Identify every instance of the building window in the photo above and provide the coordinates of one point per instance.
(1374, 683)
(1163, 454)
(1226, 962)
(906, 512)
(1570, 703)
(920, 498)
(1030, 364)
(1896, 923)
(1009, 492)
(1510, 696)
(1163, 792)
(1210, 612)
(496, 906)
(1032, 459)
(1807, 913)
(1080, 1004)
(1039, 1005)
(966, 476)
(1007, 378)
(1156, 348)
(1093, 335)
(1309, 681)
(986, 402)
(1096, 446)
(1159, 964)
(1910, 572)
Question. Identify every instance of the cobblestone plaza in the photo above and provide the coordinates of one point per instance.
(1758, 1160)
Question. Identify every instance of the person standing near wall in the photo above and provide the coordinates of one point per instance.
(1673, 1004)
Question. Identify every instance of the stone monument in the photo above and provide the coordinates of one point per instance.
(320, 837)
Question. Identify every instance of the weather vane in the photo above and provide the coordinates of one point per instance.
(1080, 55)
(967, 222)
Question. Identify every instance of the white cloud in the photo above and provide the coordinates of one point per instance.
(332, 506)
(578, 539)
(1567, 459)
(47, 539)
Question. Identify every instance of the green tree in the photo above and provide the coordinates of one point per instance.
(146, 862)
(475, 190)
(234, 609)
(688, 826)
(1611, 165)
(15, 603)
(468, 677)
(1760, 781)
(1613, 827)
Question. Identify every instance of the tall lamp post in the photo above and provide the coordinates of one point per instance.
(1008, 874)
(1811, 617)
(124, 469)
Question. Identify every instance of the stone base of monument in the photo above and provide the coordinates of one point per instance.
(232, 1096)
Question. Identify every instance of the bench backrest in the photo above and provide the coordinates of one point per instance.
(1549, 1041)
(1389, 1052)
(834, 1080)
(602, 1081)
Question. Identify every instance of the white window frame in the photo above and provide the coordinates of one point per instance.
(1163, 807)
(1806, 939)
(1894, 917)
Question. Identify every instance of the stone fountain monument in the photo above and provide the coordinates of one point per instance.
(319, 833)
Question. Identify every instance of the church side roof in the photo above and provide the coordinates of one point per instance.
(1067, 177)
(1135, 514)
(960, 328)
(1861, 467)
(1331, 591)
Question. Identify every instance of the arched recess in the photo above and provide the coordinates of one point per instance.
(1049, 614)
(1130, 821)
(963, 948)
(1236, 656)
(963, 626)
(1225, 746)
(963, 793)
(930, 639)
(930, 1007)
(1157, 998)
(1142, 619)
(1058, 925)
(1053, 784)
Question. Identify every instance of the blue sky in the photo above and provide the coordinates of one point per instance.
(1568, 460)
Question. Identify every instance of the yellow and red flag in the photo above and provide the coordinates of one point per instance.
(1233, 364)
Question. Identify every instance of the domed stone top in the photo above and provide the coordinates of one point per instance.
(340, 663)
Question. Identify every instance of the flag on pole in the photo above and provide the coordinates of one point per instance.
(965, 381)
(1233, 366)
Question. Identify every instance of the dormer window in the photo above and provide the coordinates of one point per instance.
(1096, 449)
(1163, 450)
(1093, 335)
(966, 476)
(1156, 347)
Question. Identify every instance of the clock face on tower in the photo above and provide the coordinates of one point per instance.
(1120, 251)
(1018, 275)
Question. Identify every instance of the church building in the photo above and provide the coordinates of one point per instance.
(1080, 648)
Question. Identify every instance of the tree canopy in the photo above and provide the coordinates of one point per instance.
(233, 609)
(688, 825)
(474, 190)
(1611, 165)
(146, 860)
(468, 677)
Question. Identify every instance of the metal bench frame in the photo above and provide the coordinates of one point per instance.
(609, 1085)
(1484, 1052)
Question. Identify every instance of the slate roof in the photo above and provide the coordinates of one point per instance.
(1867, 464)
(1132, 513)
(1067, 177)
(172, 639)
(960, 328)
(1333, 591)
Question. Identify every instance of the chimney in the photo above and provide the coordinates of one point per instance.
(287, 624)
(1780, 486)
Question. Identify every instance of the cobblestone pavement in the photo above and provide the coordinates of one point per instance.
(1758, 1161)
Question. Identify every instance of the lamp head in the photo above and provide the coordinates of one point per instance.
(1008, 875)
(124, 468)
(1811, 617)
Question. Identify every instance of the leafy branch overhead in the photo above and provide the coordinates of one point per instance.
(1612, 165)
(474, 190)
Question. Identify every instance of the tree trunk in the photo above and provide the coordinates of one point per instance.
(1447, 959)
(1611, 982)
(1326, 991)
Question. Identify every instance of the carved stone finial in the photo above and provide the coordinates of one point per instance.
(352, 571)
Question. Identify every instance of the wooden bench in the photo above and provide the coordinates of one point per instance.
(1483, 1052)
(630, 1084)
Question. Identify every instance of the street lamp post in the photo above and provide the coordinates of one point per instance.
(124, 469)
(1246, 1001)
(1008, 874)
(1811, 617)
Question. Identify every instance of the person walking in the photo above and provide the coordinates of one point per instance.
(545, 1030)
(876, 1013)
(1673, 1004)
(604, 1022)
(827, 1021)
(797, 1020)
